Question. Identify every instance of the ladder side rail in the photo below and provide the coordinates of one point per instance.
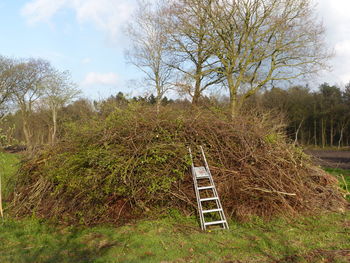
(200, 209)
(199, 203)
(218, 205)
(214, 189)
(218, 202)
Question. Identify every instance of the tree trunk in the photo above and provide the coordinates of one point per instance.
(341, 136)
(54, 128)
(27, 133)
(159, 92)
(315, 132)
(297, 132)
(158, 102)
(233, 97)
(233, 106)
(196, 94)
(331, 133)
(197, 86)
(323, 137)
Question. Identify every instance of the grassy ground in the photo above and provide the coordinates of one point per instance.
(8, 166)
(325, 238)
(344, 178)
(177, 239)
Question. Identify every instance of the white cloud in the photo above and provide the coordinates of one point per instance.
(100, 79)
(41, 10)
(336, 19)
(106, 15)
(342, 48)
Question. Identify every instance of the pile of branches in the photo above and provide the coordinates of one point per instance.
(136, 163)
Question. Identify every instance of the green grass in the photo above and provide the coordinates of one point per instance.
(343, 177)
(8, 167)
(177, 239)
(174, 238)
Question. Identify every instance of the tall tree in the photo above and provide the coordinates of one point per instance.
(188, 33)
(58, 91)
(259, 41)
(148, 50)
(6, 85)
(28, 80)
(331, 99)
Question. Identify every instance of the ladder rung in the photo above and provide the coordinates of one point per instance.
(212, 210)
(203, 177)
(209, 199)
(205, 187)
(214, 223)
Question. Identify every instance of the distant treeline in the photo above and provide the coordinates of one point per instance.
(80, 110)
(320, 117)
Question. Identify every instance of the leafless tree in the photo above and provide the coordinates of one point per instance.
(6, 86)
(27, 79)
(148, 50)
(189, 43)
(58, 91)
(259, 41)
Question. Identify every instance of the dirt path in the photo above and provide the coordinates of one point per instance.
(331, 159)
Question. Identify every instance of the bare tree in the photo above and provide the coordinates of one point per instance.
(58, 91)
(260, 41)
(148, 50)
(27, 79)
(6, 85)
(189, 42)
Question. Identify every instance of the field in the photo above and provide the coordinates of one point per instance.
(177, 239)
(174, 238)
(332, 158)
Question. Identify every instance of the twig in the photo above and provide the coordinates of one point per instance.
(273, 191)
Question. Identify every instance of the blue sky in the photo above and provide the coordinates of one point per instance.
(93, 54)
(86, 37)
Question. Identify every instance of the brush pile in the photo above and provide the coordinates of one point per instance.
(136, 163)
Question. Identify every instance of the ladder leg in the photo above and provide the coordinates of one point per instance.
(199, 204)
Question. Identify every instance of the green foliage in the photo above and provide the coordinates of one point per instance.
(178, 239)
(344, 179)
(272, 138)
(100, 165)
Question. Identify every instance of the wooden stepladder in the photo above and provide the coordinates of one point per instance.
(209, 205)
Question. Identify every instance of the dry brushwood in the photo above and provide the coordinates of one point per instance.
(135, 162)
